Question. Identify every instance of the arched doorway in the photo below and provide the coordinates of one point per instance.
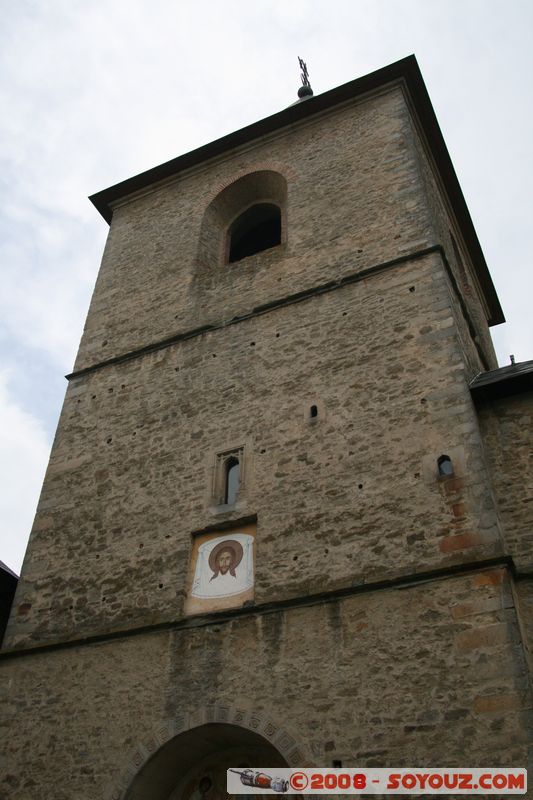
(192, 765)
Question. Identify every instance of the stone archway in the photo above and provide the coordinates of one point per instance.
(178, 769)
(165, 758)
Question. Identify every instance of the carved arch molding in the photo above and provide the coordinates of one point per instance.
(281, 738)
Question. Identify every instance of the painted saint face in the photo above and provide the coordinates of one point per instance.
(224, 567)
(224, 561)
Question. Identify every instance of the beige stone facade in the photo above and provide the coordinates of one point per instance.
(390, 618)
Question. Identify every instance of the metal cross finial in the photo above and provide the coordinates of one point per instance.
(304, 74)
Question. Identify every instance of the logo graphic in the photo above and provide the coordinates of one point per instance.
(261, 780)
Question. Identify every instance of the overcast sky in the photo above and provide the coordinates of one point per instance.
(94, 91)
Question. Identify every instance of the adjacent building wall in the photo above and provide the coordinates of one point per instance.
(507, 425)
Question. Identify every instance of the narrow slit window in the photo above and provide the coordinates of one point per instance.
(233, 479)
(313, 412)
(258, 228)
(445, 466)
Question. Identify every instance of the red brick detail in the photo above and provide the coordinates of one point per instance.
(458, 509)
(491, 578)
(489, 704)
(460, 542)
(260, 166)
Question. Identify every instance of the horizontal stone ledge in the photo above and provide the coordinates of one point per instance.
(404, 582)
(258, 310)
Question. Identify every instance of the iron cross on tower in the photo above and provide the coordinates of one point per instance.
(305, 89)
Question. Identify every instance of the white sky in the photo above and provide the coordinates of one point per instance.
(92, 92)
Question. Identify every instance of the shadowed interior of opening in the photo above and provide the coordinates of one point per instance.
(257, 229)
(166, 774)
(233, 475)
(445, 465)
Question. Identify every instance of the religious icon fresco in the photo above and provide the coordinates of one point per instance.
(222, 570)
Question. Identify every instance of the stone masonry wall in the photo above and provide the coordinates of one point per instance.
(353, 498)
(431, 674)
(506, 424)
(463, 280)
(354, 200)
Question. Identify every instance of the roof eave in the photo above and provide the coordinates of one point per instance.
(503, 382)
(296, 112)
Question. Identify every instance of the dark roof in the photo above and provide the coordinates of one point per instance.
(502, 382)
(405, 70)
(5, 568)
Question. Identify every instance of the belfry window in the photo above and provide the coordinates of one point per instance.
(246, 217)
(233, 475)
(256, 229)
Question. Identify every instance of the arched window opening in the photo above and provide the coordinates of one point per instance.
(255, 194)
(233, 479)
(445, 466)
(313, 412)
(256, 229)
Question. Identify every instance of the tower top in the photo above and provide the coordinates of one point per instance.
(405, 74)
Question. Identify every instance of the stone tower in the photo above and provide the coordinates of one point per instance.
(285, 519)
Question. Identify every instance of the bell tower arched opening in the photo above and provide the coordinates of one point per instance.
(245, 218)
(256, 229)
